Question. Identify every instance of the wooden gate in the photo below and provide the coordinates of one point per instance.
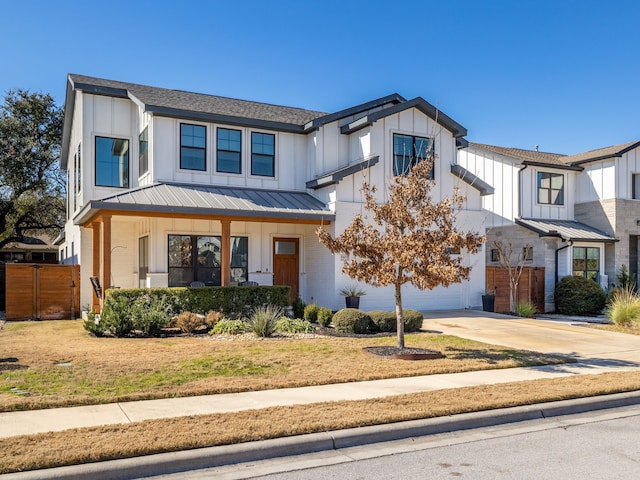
(530, 287)
(2, 288)
(42, 292)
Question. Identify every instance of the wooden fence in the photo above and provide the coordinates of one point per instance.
(3, 284)
(530, 287)
(42, 292)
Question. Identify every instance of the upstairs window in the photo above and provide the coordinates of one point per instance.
(550, 188)
(635, 186)
(143, 152)
(78, 168)
(263, 154)
(193, 147)
(408, 151)
(229, 153)
(112, 162)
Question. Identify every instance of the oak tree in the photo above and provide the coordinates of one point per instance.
(409, 239)
(32, 187)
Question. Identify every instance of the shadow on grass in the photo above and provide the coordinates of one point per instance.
(11, 363)
(522, 358)
(577, 362)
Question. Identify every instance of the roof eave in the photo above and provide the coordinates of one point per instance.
(331, 178)
(571, 167)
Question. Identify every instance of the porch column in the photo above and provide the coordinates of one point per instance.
(105, 281)
(225, 253)
(95, 267)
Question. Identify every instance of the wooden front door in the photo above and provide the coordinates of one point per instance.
(285, 263)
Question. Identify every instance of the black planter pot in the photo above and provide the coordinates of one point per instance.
(488, 303)
(352, 302)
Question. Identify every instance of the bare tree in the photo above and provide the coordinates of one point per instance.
(513, 266)
(409, 240)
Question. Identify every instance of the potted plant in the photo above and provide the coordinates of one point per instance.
(352, 294)
(489, 300)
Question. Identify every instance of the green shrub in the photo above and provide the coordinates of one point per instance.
(624, 307)
(188, 322)
(294, 325)
(324, 316)
(263, 320)
(92, 323)
(351, 320)
(229, 326)
(579, 296)
(385, 321)
(412, 320)
(311, 313)
(525, 309)
(116, 316)
(150, 314)
(298, 307)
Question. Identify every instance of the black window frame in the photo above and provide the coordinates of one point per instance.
(193, 148)
(400, 159)
(143, 152)
(262, 155)
(547, 192)
(128, 160)
(593, 274)
(227, 151)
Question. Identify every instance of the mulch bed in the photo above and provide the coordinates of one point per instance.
(403, 353)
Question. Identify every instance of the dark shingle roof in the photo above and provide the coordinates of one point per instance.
(160, 99)
(601, 153)
(526, 156)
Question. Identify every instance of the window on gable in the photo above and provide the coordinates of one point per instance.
(112, 162)
(263, 154)
(586, 262)
(193, 147)
(229, 151)
(408, 151)
(550, 188)
(143, 152)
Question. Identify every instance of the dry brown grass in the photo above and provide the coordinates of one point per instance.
(155, 436)
(616, 328)
(108, 369)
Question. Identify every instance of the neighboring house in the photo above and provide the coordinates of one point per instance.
(38, 249)
(580, 213)
(167, 187)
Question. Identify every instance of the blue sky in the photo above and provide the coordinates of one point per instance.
(560, 74)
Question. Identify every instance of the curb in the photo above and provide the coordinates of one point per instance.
(175, 462)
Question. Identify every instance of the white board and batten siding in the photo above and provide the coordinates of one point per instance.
(610, 178)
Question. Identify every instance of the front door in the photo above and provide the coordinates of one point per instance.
(285, 263)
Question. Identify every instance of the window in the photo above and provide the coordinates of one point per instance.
(452, 250)
(495, 255)
(527, 253)
(143, 152)
(228, 155)
(586, 262)
(550, 188)
(193, 147)
(143, 261)
(408, 151)
(198, 258)
(263, 154)
(112, 162)
(635, 186)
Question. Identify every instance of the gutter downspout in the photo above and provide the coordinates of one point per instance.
(522, 169)
(569, 244)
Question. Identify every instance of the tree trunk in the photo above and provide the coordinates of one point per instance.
(399, 315)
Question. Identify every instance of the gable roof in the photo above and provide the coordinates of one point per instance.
(601, 153)
(466, 176)
(212, 201)
(528, 157)
(418, 103)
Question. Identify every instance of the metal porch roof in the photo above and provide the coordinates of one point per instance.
(565, 229)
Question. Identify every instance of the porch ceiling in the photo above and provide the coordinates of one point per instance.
(565, 229)
(170, 199)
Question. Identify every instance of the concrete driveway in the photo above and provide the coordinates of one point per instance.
(548, 336)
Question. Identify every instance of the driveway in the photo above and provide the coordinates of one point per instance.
(548, 336)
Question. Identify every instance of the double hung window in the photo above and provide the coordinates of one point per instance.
(193, 147)
(229, 151)
(586, 262)
(263, 154)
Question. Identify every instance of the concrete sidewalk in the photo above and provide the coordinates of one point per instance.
(596, 351)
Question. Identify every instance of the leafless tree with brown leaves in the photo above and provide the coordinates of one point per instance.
(409, 240)
(513, 266)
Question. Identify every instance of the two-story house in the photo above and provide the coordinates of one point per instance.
(579, 213)
(167, 188)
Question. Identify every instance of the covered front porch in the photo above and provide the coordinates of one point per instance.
(179, 235)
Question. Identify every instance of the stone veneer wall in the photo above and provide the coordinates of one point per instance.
(617, 217)
(543, 254)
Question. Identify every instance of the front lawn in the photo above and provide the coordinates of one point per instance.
(57, 363)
